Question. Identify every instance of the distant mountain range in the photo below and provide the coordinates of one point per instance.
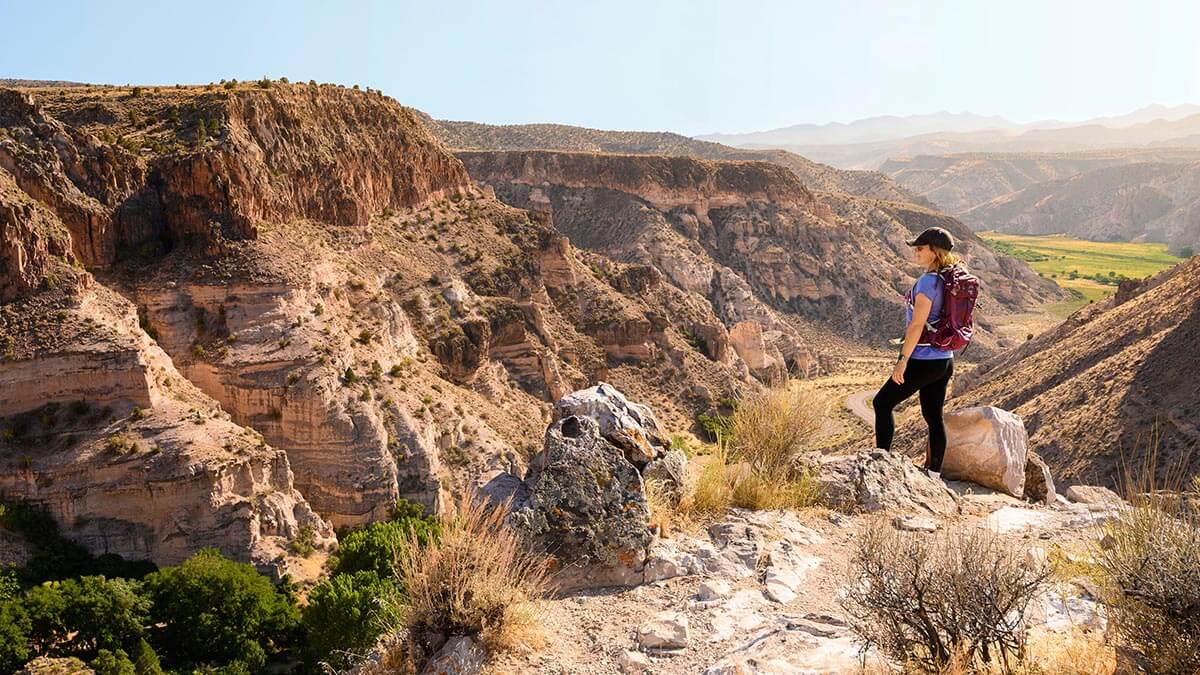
(868, 143)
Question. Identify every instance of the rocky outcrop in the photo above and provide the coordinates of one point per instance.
(31, 240)
(987, 446)
(1039, 483)
(876, 480)
(586, 507)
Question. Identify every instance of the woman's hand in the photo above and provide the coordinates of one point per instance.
(898, 371)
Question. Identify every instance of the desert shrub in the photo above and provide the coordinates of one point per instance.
(477, 578)
(375, 546)
(756, 463)
(772, 429)
(14, 626)
(344, 616)
(930, 601)
(145, 661)
(1150, 560)
(218, 611)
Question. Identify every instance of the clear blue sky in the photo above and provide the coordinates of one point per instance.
(691, 66)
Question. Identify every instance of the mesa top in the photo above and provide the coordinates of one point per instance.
(933, 287)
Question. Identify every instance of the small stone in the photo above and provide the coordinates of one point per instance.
(460, 655)
(914, 524)
(667, 630)
(1036, 556)
(781, 584)
(1092, 494)
(713, 589)
(633, 663)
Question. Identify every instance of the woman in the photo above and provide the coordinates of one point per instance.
(921, 367)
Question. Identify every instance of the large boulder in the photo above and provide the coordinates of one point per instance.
(586, 507)
(627, 425)
(988, 446)
(876, 480)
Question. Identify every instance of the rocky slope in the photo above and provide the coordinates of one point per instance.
(1114, 382)
(815, 176)
(750, 241)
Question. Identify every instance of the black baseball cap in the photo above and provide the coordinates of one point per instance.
(934, 236)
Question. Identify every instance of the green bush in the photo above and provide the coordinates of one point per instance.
(14, 626)
(80, 617)
(373, 548)
(112, 663)
(219, 611)
(344, 616)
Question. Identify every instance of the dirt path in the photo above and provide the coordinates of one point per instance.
(857, 404)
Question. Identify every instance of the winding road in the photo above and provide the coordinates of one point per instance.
(857, 404)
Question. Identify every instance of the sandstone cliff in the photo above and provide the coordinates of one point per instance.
(128, 456)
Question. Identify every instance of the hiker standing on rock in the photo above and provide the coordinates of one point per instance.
(939, 321)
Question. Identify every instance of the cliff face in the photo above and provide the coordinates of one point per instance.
(752, 241)
(316, 269)
(129, 458)
(1114, 382)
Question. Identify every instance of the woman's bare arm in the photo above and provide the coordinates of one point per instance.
(922, 305)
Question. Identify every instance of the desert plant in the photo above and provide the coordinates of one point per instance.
(477, 578)
(1147, 558)
(931, 601)
(771, 430)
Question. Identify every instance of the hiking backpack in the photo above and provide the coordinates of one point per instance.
(956, 326)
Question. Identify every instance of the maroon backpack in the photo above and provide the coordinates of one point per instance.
(953, 331)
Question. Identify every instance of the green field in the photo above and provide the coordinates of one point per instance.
(1092, 268)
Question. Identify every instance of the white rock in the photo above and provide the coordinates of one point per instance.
(986, 445)
(666, 561)
(1093, 494)
(713, 589)
(1012, 519)
(915, 524)
(781, 584)
(633, 663)
(459, 656)
(667, 630)
(739, 613)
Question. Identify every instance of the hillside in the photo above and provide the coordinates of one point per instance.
(750, 239)
(1104, 383)
(956, 183)
(1148, 201)
(476, 136)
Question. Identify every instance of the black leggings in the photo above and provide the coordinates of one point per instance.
(930, 377)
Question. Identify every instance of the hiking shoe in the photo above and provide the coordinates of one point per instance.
(936, 475)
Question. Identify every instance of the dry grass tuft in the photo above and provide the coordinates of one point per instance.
(758, 466)
(772, 430)
(477, 579)
(1148, 559)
